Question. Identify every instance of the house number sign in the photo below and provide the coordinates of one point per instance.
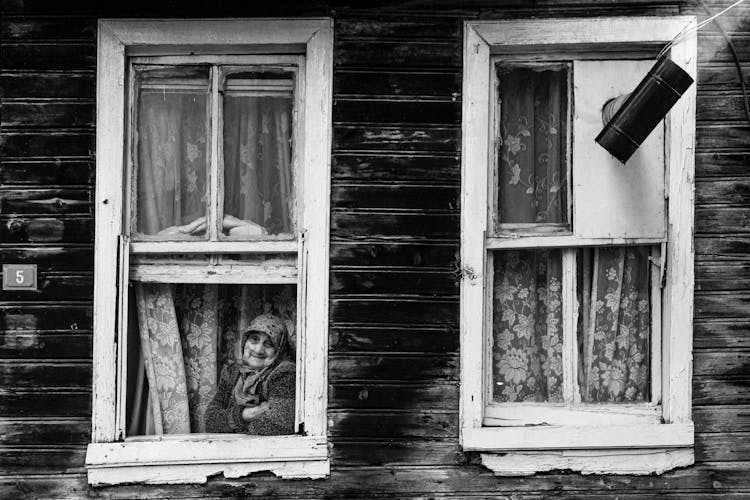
(19, 276)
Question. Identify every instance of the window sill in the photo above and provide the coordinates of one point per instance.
(614, 449)
(559, 437)
(192, 459)
(643, 461)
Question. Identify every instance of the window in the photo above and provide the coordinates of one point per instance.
(576, 297)
(211, 270)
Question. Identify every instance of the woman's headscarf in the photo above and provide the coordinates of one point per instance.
(251, 383)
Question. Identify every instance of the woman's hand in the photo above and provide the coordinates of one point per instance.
(198, 226)
(240, 228)
(252, 412)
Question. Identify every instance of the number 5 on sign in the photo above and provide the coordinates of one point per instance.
(19, 277)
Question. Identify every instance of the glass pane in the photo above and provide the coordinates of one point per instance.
(258, 177)
(527, 326)
(614, 324)
(171, 153)
(222, 358)
(532, 157)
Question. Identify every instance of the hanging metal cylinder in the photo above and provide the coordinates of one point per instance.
(630, 118)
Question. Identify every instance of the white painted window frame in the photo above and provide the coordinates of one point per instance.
(639, 443)
(192, 458)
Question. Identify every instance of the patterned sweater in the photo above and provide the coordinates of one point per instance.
(225, 415)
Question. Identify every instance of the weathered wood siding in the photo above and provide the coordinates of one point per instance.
(394, 384)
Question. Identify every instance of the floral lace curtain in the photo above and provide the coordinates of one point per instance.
(531, 165)
(172, 161)
(257, 161)
(614, 328)
(186, 332)
(613, 333)
(527, 326)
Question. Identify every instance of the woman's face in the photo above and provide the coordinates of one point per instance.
(259, 350)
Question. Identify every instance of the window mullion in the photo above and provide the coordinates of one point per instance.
(489, 288)
(571, 394)
(123, 265)
(214, 170)
(657, 270)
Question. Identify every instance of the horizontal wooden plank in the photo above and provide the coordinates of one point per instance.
(722, 247)
(721, 164)
(54, 287)
(25, 460)
(45, 403)
(59, 201)
(350, 424)
(17, 230)
(734, 191)
(396, 282)
(709, 220)
(718, 447)
(47, 172)
(388, 111)
(49, 29)
(721, 77)
(397, 83)
(313, 8)
(47, 145)
(372, 168)
(48, 85)
(380, 396)
(390, 367)
(390, 311)
(722, 305)
(392, 196)
(424, 226)
(717, 334)
(348, 9)
(44, 376)
(722, 418)
(48, 56)
(53, 258)
(379, 54)
(413, 28)
(722, 276)
(71, 317)
(709, 138)
(393, 254)
(713, 391)
(48, 114)
(45, 345)
(45, 432)
(734, 363)
(405, 139)
(377, 339)
(397, 452)
(720, 108)
(449, 481)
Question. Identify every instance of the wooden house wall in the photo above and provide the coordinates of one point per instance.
(393, 400)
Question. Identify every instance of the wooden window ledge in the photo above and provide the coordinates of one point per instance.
(194, 458)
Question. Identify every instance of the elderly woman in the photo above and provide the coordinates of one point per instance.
(256, 394)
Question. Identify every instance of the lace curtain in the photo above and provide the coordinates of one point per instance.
(257, 157)
(532, 156)
(527, 326)
(172, 131)
(614, 328)
(613, 333)
(187, 332)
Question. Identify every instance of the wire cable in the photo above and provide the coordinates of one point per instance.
(685, 33)
(732, 50)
